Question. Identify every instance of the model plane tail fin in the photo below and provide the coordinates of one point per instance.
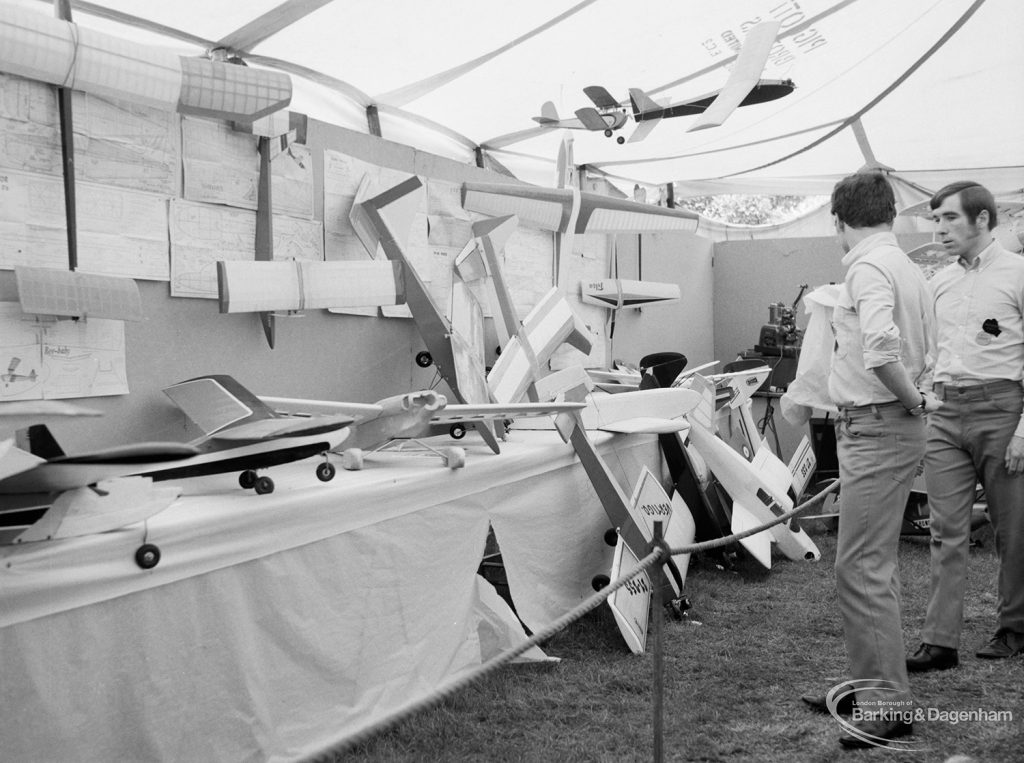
(41, 442)
(548, 113)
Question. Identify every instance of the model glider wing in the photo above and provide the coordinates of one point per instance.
(454, 414)
(648, 410)
(555, 209)
(643, 129)
(254, 286)
(744, 76)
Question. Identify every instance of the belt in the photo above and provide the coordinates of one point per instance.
(874, 408)
(981, 391)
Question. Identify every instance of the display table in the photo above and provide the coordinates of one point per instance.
(274, 623)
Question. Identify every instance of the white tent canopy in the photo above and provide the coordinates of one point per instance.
(928, 88)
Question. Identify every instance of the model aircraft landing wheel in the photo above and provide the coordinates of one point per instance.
(352, 459)
(457, 431)
(600, 582)
(147, 556)
(424, 359)
(247, 478)
(607, 133)
(325, 472)
(264, 485)
(454, 458)
(611, 537)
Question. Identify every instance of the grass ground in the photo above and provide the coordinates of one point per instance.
(732, 683)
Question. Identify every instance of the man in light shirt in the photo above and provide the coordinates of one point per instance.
(978, 435)
(882, 323)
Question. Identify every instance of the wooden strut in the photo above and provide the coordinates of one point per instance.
(62, 8)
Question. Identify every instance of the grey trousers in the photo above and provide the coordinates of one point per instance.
(879, 449)
(967, 441)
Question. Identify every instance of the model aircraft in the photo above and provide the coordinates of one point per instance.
(385, 220)
(606, 115)
(643, 411)
(410, 415)
(744, 87)
(617, 293)
(240, 433)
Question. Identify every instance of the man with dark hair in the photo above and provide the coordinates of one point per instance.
(882, 322)
(979, 433)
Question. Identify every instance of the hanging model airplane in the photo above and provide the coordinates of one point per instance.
(743, 88)
(241, 433)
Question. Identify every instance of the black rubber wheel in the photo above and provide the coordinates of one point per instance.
(457, 431)
(600, 582)
(611, 537)
(247, 478)
(607, 133)
(424, 359)
(264, 485)
(147, 556)
(325, 472)
(620, 140)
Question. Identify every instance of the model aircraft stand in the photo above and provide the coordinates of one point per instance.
(657, 551)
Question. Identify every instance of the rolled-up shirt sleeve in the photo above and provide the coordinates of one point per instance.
(874, 299)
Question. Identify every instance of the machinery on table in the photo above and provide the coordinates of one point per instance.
(778, 344)
(780, 333)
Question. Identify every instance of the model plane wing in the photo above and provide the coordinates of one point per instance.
(616, 293)
(600, 97)
(15, 460)
(591, 119)
(113, 504)
(643, 129)
(642, 103)
(254, 286)
(645, 424)
(554, 209)
(268, 429)
(294, 406)
(744, 76)
(454, 414)
(647, 410)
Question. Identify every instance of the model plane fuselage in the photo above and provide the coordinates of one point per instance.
(257, 438)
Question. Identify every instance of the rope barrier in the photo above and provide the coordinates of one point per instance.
(453, 685)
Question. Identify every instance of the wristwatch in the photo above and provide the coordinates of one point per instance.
(917, 410)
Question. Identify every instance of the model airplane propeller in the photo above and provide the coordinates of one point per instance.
(743, 88)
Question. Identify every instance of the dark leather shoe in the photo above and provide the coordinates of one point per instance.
(1003, 644)
(932, 657)
(844, 706)
(874, 733)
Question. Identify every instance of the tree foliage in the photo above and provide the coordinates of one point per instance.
(746, 209)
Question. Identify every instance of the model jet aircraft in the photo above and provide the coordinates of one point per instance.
(240, 433)
(744, 87)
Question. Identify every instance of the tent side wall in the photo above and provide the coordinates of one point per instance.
(317, 354)
(686, 326)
